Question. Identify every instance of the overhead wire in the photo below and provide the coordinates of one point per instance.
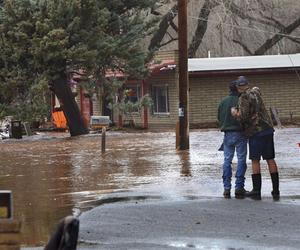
(237, 26)
(258, 30)
(246, 28)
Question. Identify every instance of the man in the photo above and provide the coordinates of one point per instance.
(258, 126)
(234, 140)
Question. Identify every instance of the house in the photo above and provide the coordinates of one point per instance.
(277, 76)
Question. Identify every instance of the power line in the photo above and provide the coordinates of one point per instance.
(238, 26)
(245, 28)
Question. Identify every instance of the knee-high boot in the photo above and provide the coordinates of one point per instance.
(255, 194)
(275, 183)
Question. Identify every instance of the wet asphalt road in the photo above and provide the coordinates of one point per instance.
(193, 224)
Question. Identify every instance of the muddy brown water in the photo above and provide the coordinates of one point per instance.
(52, 175)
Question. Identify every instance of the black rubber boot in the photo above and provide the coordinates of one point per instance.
(240, 193)
(226, 194)
(255, 193)
(275, 182)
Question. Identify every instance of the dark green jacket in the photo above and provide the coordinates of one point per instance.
(226, 121)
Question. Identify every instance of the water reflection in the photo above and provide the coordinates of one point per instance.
(185, 163)
(35, 179)
(52, 176)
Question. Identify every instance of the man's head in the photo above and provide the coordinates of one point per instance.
(232, 86)
(241, 84)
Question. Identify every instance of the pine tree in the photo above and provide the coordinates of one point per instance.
(52, 39)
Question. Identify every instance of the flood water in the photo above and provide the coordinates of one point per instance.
(52, 175)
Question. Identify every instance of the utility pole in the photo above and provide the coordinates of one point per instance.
(182, 133)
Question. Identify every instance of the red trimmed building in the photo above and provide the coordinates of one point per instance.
(278, 77)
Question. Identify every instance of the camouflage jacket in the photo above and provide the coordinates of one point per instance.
(254, 116)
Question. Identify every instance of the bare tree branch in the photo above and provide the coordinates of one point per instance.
(168, 33)
(174, 26)
(162, 29)
(154, 12)
(244, 46)
(236, 10)
(276, 38)
(277, 24)
(168, 42)
(201, 27)
(265, 17)
(295, 40)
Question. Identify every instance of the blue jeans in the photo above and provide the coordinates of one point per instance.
(234, 141)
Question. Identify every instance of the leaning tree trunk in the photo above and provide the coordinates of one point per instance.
(277, 37)
(158, 36)
(62, 90)
(201, 26)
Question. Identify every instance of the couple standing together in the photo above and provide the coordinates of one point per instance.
(243, 117)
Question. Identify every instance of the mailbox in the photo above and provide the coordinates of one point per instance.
(98, 122)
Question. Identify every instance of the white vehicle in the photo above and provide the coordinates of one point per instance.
(5, 127)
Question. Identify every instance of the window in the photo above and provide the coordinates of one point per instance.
(160, 99)
(132, 97)
(133, 93)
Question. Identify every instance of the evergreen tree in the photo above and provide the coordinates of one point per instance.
(52, 39)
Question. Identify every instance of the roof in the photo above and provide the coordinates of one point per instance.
(154, 67)
(115, 73)
(163, 65)
(244, 63)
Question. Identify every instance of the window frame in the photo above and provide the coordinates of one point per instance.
(136, 87)
(155, 102)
